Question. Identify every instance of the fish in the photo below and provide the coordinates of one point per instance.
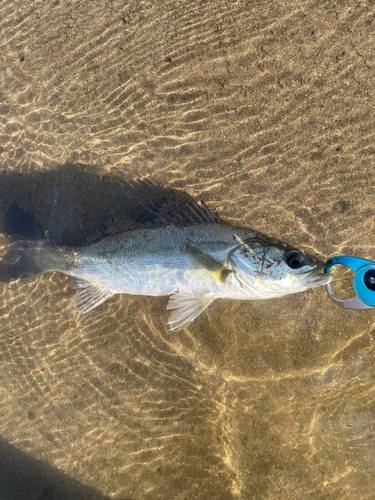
(194, 262)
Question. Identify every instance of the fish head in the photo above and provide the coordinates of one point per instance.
(266, 268)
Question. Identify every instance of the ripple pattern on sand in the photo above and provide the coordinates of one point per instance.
(265, 110)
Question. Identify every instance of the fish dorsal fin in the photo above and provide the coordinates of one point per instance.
(89, 297)
(150, 203)
(206, 264)
(198, 213)
(186, 307)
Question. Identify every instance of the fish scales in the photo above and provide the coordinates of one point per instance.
(194, 264)
(154, 261)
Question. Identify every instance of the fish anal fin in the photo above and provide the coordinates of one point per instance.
(206, 264)
(89, 297)
(185, 308)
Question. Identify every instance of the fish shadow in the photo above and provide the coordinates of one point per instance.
(23, 477)
(75, 204)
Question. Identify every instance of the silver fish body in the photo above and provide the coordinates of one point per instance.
(194, 264)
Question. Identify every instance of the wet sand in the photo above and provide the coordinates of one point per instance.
(265, 110)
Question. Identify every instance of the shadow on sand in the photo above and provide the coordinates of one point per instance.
(76, 204)
(22, 477)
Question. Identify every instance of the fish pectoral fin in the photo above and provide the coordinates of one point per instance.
(204, 263)
(186, 307)
(89, 297)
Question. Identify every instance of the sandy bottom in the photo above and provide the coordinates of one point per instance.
(265, 110)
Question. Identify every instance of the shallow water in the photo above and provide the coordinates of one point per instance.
(265, 111)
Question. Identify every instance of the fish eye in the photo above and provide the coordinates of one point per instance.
(295, 259)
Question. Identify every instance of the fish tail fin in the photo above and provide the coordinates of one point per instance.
(26, 259)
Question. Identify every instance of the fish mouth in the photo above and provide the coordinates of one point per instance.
(317, 277)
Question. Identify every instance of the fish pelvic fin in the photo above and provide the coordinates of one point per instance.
(89, 297)
(26, 259)
(186, 307)
(206, 264)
